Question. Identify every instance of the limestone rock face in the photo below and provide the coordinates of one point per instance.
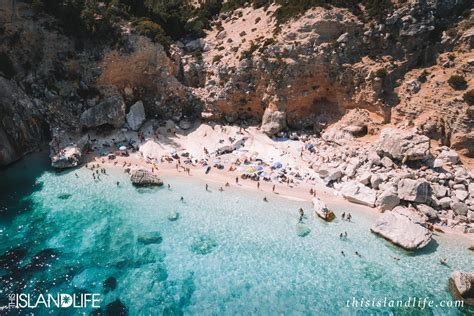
(273, 122)
(358, 193)
(67, 157)
(22, 126)
(110, 111)
(136, 116)
(461, 285)
(401, 229)
(404, 145)
(414, 190)
(143, 177)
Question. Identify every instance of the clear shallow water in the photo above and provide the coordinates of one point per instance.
(227, 253)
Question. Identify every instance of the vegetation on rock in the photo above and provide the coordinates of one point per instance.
(457, 82)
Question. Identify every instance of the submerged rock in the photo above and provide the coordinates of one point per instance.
(143, 177)
(67, 157)
(12, 258)
(110, 284)
(461, 285)
(173, 216)
(401, 229)
(302, 230)
(203, 245)
(116, 308)
(64, 196)
(150, 238)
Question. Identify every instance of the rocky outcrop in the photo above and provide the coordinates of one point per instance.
(404, 145)
(461, 285)
(414, 190)
(143, 177)
(358, 193)
(273, 122)
(136, 116)
(111, 112)
(22, 126)
(401, 229)
(387, 200)
(67, 157)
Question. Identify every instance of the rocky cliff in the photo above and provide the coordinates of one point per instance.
(306, 71)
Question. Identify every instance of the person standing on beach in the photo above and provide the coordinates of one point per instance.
(207, 187)
(273, 188)
(258, 184)
(236, 179)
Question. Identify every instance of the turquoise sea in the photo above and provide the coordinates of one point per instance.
(216, 253)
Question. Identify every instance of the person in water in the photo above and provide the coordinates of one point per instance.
(301, 214)
(358, 254)
(182, 199)
(342, 252)
(118, 183)
(444, 261)
(207, 187)
(349, 216)
(343, 215)
(265, 199)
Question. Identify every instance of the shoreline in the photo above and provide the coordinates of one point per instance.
(297, 193)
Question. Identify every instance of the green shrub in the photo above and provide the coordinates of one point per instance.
(6, 66)
(381, 73)
(470, 112)
(216, 59)
(469, 97)
(457, 82)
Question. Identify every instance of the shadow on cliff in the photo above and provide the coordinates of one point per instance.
(18, 182)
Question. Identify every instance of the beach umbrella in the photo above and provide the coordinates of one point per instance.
(277, 165)
(122, 148)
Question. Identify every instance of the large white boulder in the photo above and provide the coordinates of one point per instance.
(358, 193)
(403, 145)
(388, 200)
(136, 116)
(402, 229)
(414, 190)
(144, 177)
(461, 285)
(67, 157)
(273, 121)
